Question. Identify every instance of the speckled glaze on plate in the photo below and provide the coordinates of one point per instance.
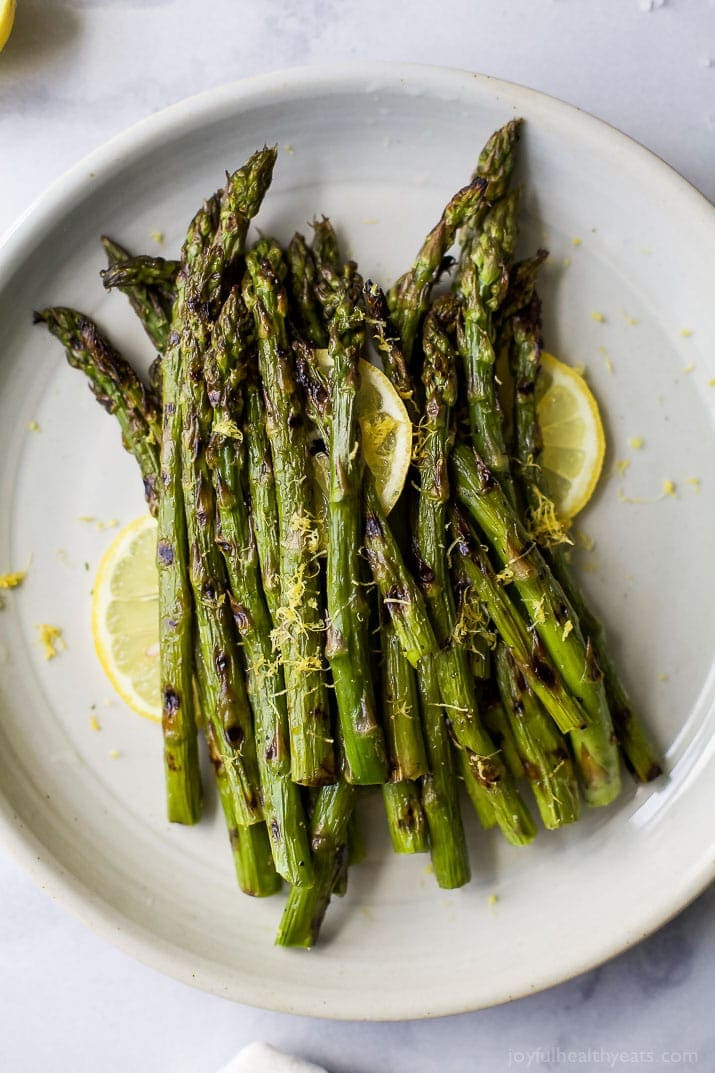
(379, 148)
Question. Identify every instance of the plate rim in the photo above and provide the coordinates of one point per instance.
(36, 859)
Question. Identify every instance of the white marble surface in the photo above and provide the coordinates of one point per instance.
(76, 72)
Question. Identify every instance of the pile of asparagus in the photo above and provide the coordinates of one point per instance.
(446, 646)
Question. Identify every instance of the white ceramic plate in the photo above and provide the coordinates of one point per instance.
(378, 148)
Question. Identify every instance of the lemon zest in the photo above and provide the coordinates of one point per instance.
(158, 237)
(51, 639)
(224, 426)
(576, 241)
(34, 427)
(13, 579)
(685, 333)
(94, 723)
(694, 482)
(636, 442)
(689, 368)
(568, 627)
(544, 525)
(539, 615)
(669, 488)
(622, 465)
(598, 317)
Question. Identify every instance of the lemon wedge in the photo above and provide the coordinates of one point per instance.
(125, 617)
(385, 428)
(572, 435)
(7, 18)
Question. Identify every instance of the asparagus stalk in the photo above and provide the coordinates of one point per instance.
(400, 706)
(498, 725)
(440, 790)
(405, 747)
(387, 340)
(325, 247)
(347, 647)
(250, 846)
(543, 752)
(282, 805)
(228, 706)
(116, 387)
(495, 165)
(482, 284)
(303, 279)
(298, 622)
(476, 573)
(306, 906)
(406, 819)
(409, 297)
(176, 632)
(639, 751)
(485, 764)
(262, 490)
(150, 285)
(403, 602)
(398, 590)
(553, 618)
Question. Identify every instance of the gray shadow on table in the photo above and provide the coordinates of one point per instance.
(41, 31)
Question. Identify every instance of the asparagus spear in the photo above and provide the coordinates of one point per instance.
(398, 590)
(176, 633)
(347, 647)
(303, 279)
(406, 820)
(262, 490)
(639, 751)
(400, 705)
(251, 846)
(283, 809)
(228, 706)
(387, 340)
(116, 387)
(553, 617)
(482, 284)
(440, 790)
(298, 622)
(543, 752)
(476, 573)
(485, 763)
(498, 726)
(150, 285)
(408, 298)
(325, 247)
(495, 166)
(405, 747)
(306, 906)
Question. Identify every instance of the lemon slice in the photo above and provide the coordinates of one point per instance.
(385, 428)
(572, 434)
(125, 617)
(7, 18)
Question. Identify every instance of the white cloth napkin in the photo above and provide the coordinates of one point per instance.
(262, 1058)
